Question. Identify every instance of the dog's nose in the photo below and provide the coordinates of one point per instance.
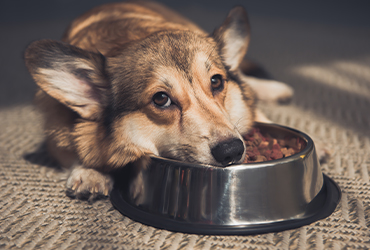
(229, 151)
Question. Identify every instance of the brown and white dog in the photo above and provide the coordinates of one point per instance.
(134, 79)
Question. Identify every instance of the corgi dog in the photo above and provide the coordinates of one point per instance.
(133, 79)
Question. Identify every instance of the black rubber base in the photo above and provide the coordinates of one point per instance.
(320, 207)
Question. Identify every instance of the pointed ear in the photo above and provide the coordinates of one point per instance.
(73, 76)
(232, 37)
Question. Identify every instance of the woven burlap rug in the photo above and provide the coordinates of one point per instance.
(329, 68)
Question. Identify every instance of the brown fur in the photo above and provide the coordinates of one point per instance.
(97, 87)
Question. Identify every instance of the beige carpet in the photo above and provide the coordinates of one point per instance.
(329, 68)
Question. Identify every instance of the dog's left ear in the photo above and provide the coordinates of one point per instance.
(232, 37)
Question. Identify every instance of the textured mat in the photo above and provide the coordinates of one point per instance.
(332, 102)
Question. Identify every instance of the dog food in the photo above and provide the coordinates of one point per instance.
(264, 147)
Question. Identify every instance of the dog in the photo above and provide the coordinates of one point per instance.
(135, 79)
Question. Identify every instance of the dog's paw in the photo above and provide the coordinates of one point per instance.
(274, 91)
(270, 90)
(88, 184)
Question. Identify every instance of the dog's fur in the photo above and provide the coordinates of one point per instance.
(134, 79)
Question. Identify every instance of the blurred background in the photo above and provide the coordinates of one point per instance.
(298, 42)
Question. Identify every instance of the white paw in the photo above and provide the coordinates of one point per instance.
(88, 184)
(274, 91)
(270, 90)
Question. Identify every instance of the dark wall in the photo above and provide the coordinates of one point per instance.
(22, 21)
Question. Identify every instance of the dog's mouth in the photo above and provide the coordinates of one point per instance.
(183, 152)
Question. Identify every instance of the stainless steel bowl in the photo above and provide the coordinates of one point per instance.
(245, 198)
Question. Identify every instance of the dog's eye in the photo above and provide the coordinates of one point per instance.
(217, 83)
(162, 100)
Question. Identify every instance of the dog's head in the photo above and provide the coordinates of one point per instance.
(174, 94)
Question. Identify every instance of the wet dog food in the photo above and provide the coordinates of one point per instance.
(263, 147)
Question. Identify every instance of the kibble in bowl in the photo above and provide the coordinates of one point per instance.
(262, 146)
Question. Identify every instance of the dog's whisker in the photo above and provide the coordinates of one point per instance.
(237, 124)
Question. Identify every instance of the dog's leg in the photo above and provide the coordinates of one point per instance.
(88, 183)
(269, 90)
(137, 188)
(137, 182)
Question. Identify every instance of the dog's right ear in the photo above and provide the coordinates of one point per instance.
(73, 76)
(233, 37)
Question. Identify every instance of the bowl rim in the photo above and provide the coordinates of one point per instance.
(300, 155)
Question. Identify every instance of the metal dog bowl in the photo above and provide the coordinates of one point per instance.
(239, 199)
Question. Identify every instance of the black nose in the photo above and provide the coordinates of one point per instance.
(229, 151)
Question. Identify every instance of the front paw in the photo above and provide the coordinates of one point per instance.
(88, 184)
